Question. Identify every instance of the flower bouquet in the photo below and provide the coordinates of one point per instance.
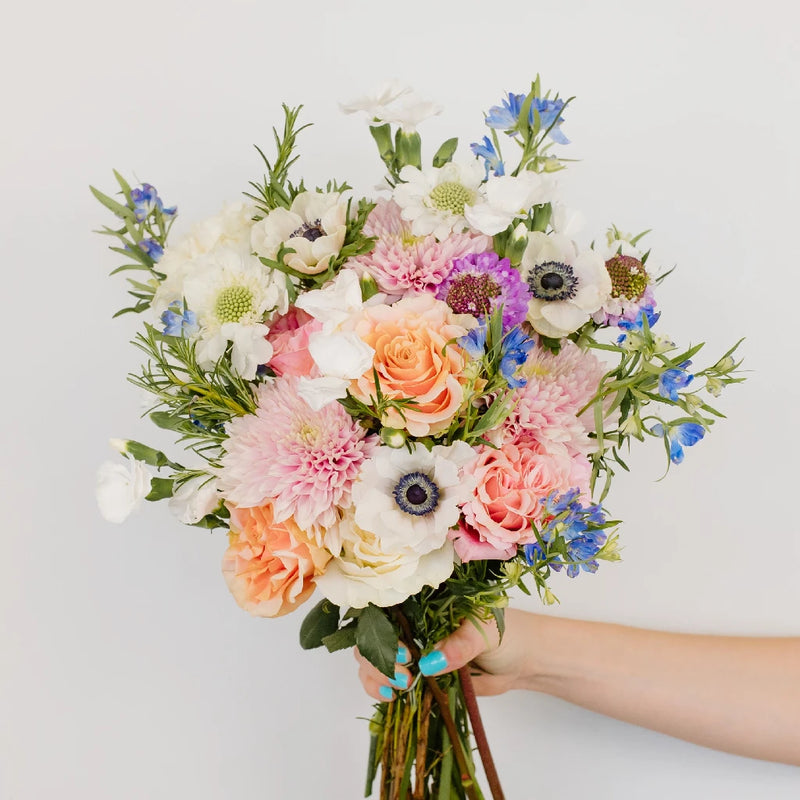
(412, 403)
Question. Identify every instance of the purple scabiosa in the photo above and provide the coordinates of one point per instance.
(480, 283)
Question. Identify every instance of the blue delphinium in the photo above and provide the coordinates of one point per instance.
(514, 353)
(505, 117)
(672, 380)
(474, 342)
(679, 436)
(637, 325)
(578, 526)
(179, 321)
(145, 200)
(152, 248)
(490, 156)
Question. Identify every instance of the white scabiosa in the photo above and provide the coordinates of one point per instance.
(567, 285)
(230, 228)
(314, 227)
(232, 294)
(434, 201)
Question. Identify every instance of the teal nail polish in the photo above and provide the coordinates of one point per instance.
(403, 656)
(385, 692)
(400, 680)
(432, 663)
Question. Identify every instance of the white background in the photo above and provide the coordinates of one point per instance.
(126, 670)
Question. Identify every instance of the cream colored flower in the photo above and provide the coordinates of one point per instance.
(314, 227)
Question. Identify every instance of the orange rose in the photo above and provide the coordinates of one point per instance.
(412, 361)
(269, 566)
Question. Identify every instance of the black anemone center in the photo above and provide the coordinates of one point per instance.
(415, 493)
(553, 280)
(310, 230)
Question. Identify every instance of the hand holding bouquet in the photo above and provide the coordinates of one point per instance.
(413, 403)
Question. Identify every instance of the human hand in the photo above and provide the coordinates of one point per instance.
(496, 666)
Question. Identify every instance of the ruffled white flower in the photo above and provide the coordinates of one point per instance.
(413, 498)
(373, 105)
(381, 107)
(231, 294)
(195, 498)
(314, 227)
(121, 489)
(434, 201)
(508, 197)
(366, 570)
(230, 228)
(339, 356)
(566, 221)
(568, 286)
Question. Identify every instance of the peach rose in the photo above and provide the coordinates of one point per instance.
(412, 361)
(289, 336)
(269, 566)
(512, 482)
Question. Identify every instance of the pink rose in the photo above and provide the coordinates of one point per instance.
(470, 547)
(269, 566)
(512, 482)
(289, 336)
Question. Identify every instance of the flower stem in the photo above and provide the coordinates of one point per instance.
(479, 732)
(444, 710)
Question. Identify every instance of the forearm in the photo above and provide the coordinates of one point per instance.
(740, 695)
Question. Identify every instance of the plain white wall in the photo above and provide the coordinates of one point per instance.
(126, 670)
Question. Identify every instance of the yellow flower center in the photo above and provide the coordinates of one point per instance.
(452, 197)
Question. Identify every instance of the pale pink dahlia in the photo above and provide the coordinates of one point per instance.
(303, 461)
(403, 264)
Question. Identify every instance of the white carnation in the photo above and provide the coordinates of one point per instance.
(121, 489)
(195, 498)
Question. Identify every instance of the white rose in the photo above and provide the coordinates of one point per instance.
(365, 571)
(121, 489)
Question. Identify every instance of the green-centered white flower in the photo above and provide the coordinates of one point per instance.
(314, 227)
(434, 201)
(232, 295)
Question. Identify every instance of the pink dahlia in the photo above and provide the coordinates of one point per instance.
(303, 461)
(403, 264)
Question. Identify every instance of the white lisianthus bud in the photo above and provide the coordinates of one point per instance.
(194, 499)
(120, 489)
(392, 437)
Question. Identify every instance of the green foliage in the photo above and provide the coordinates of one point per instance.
(376, 637)
(444, 155)
(156, 226)
(275, 190)
(320, 622)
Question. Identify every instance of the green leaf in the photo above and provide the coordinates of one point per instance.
(376, 638)
(445, 153)
(500, 618)
(167, 421)
(151, 456)
(160, 488)
(112, 205)
(342, 639)
(321, 621)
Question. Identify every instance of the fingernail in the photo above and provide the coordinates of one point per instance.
(385, 692)
(432, 663)
(403, 656)
(400, 680)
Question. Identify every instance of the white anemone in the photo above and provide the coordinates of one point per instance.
(314, 227)
(568, 286)
(413, 497)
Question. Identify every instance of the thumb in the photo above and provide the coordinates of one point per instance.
(462, 646)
